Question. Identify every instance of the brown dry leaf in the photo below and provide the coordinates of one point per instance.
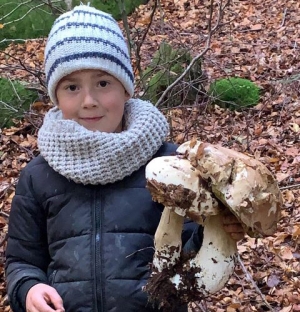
(258, 41)
(256, 27)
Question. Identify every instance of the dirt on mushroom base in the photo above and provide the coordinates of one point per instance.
(162, 291)
(171, 195)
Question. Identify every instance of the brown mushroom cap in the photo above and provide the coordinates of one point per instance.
(241, 183)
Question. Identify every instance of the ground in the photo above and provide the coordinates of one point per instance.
(259, 40)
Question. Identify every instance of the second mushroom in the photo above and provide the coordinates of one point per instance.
(202, 183)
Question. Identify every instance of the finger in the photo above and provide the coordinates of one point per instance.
(229, 219)
(237, 236)
(233, 228)
(54, 300)
(41, 306)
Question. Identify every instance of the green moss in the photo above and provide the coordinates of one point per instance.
(15, 100)
(166, 66)
(234, 93)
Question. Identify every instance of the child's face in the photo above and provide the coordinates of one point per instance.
(94, 99)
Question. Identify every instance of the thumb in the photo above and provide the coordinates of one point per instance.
(54, 299)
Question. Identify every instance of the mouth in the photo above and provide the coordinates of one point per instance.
(91, 119)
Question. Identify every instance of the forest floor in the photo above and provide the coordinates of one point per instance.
(258, 40)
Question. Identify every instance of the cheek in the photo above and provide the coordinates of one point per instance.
(115, 106)
(68, 110)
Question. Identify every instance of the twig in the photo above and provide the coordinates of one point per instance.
(283, 18)
(37, 74)
(16, 8)
(289, 186)
(141, 42)
(19, 19)
(250, 279)
(12, 40)
(4, 214)
(28, 151)
(22, 17)
(139, 251)
(125, 23)
(211, 31)
(7, 106)
(4, 240)
(12, 85)
(4, 192)
(200, 305)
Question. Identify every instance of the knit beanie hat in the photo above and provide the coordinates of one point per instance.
(86, 38)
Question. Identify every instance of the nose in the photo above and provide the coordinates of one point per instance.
(89, 99)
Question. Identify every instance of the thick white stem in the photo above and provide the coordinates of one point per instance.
(168, 240)
(216, 258)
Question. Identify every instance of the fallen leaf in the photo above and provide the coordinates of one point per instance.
(273, 280)
(256, 27)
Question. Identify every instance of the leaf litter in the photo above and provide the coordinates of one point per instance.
(259, 40)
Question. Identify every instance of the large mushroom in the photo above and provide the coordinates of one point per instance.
(202, 183)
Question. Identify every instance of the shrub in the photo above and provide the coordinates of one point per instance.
(234, 93)
(35, 24)
(40, 17)
(166, 66)
(112, 6)
(15, 100)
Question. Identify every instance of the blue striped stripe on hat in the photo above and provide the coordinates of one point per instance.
(86, 38)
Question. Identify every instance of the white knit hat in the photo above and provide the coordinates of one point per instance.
(86, 38)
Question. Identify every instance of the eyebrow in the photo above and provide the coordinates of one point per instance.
(102, 74)
(66, 79)
(97, 75)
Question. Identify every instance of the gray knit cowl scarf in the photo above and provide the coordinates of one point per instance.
(97, 157)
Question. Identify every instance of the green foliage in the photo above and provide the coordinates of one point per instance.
(112, 6)
(40, 17)
(37, 23)
(234, 93)
(166, 66)
(15, 100)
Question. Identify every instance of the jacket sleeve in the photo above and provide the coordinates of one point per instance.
(192, 236)
(27, 256)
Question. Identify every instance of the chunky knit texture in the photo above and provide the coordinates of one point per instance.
(97, 157)
(86, 38)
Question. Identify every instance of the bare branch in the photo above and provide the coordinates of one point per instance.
(15, 9)
(250, 279)
(22, 17)
(211, 30)
(37, 74)
(12, 40)
(7, 106)
(125, 24)
(139, 43)
(16, 93)
(289, 186)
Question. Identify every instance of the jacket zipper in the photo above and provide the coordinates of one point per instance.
(52, 278)
(98, 253)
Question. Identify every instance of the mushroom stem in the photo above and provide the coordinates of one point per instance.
(167, 240)
(216, 258)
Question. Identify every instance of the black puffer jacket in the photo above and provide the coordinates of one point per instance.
(92, 243)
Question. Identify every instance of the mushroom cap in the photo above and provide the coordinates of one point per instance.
(241, 183)
(176, 184)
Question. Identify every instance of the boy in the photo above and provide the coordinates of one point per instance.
(82, 222)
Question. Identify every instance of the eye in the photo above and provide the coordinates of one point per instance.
(103, 83)
(72, 87)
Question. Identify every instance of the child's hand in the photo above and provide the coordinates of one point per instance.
(43, 298)
(233, 227)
